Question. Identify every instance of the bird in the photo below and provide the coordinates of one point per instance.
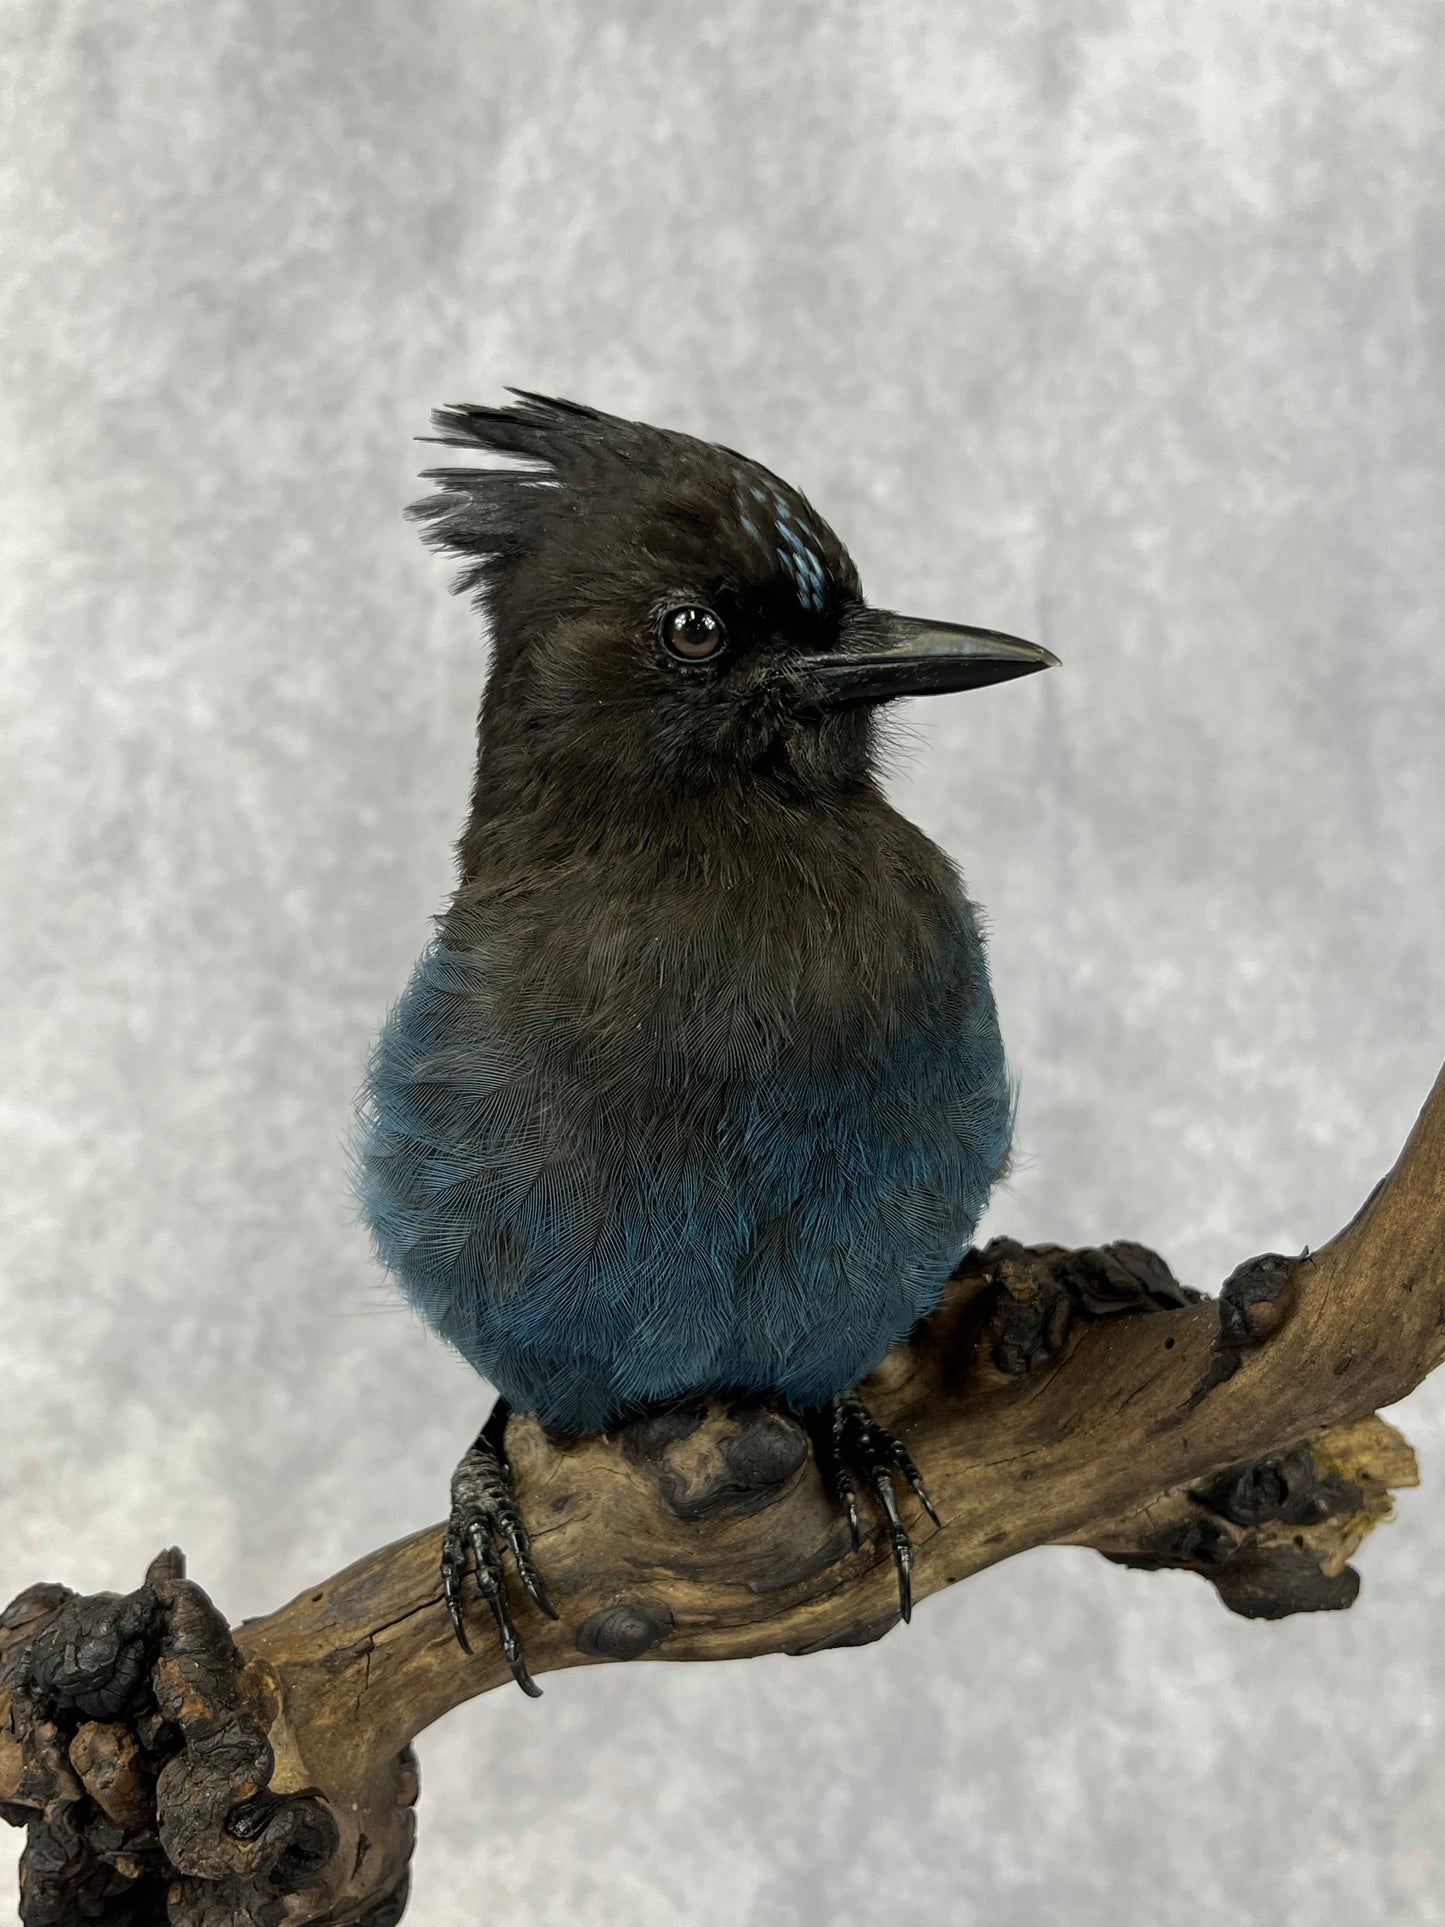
(699, 1087)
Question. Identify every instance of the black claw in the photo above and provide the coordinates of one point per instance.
(523, 1678)
(903, 1566)
(903, 1561)
(511, 1642)
(484, 1518)
(520, 1542)
(454, 1560)
(853, 1443)
(848, 1497)
(915, 1478)
(880, 1484)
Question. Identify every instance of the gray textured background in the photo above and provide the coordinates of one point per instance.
(1117, 325)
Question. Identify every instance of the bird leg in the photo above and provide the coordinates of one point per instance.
(484, 1516)
(853, 1449)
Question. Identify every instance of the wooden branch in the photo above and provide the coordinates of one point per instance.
(265, 1776)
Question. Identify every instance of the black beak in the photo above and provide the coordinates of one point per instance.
(879, 656)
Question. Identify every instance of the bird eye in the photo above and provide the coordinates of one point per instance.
(691, 634)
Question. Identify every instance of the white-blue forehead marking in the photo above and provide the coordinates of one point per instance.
(796, 545)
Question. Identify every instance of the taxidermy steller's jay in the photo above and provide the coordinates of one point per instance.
(699, 1087)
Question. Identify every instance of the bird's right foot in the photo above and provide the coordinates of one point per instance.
(853, 1449)
(485, 1519)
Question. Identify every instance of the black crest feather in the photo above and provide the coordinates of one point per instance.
(571, 468)
(574, 457)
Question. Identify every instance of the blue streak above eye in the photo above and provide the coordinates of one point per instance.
(796, 546)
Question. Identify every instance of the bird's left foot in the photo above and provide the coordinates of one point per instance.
(485, 1518)
(854, 1450)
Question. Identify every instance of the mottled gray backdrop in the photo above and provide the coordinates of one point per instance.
(1118, 325)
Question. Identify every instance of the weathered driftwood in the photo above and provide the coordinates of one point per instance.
(170, 1770)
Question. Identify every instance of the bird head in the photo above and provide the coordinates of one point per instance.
(668, 614)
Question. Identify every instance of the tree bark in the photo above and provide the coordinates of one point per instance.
(170, 1770)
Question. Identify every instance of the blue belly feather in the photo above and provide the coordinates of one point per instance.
(598, 1228)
